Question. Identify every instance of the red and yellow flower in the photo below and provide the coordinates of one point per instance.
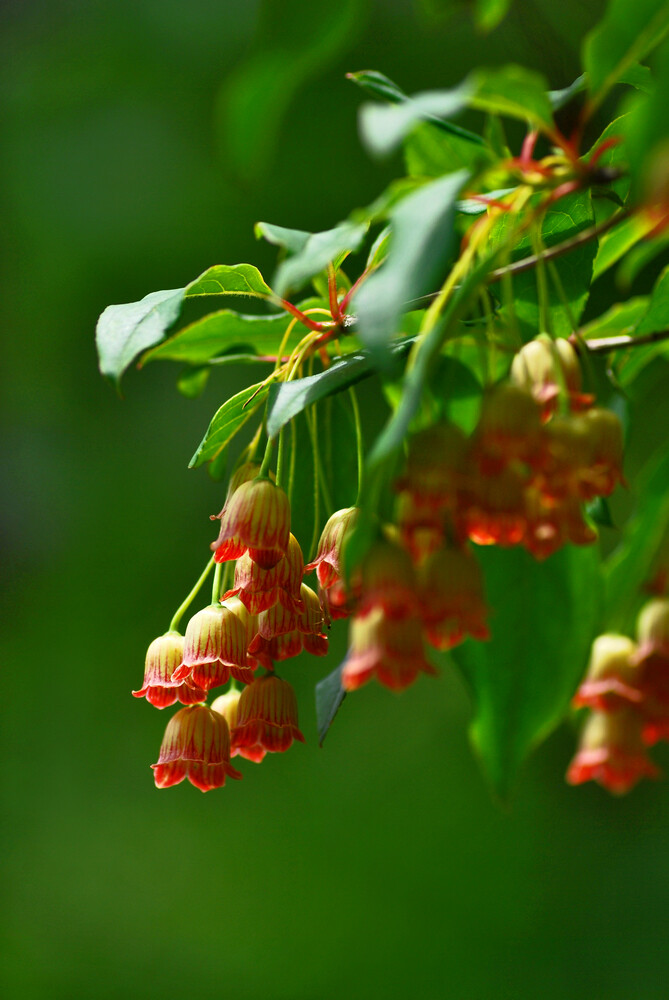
(196, 746)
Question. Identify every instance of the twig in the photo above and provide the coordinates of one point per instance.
(604, 344)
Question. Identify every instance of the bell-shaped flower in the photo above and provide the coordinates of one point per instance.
(227, 705)
(163, 657)
(283, 634)
(214, 649)
(266, 717)
(260, 589)
(451, 598)
(256, 518)
(547, 367)
(437, 461)
(388, 581)
(495, 511)
(391, 650)
(613, 679)
(605, 466)
(328, 563)
(196, 746)
(508, 431)
(611, 752)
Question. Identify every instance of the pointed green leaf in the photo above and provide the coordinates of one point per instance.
(559, 98)
(319, 250)
(627, 32)
(657, 316)
(631, 564)
(616, 243)
(621, 319)
(515, 92)
(293, 240)
(227, 420)
(544, 617)
(329, 696)
(421, 242)
(384, 126)
(124, 331)
(289, 398)
(230, 279)
(225, 331)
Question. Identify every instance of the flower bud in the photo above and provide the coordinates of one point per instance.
(163, 657)
(196, 746)
(611, 752)
(257, 518)
(653, 629)
(267, 717)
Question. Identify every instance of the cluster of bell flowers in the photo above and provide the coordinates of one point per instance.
(626, 689)
(541, 450)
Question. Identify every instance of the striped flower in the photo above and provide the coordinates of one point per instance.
(214, 648)
(196, 746)
(266, 717)
(163, 657)
(255, 518)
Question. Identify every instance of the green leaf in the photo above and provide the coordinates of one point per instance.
(432, 152)
(620, 320)
(230, 279)
(616, 243)
(125, 331)
(639, 77)
(630, 565)
(421, 242)
(628, 31)
(319, 250)
(193, 381)
(489, 13)
(647, 135)
(227, 420)
(225, 331)
(598, 510)
(559, 98)
(639, 257)
(329, 696)
(383, 126)
(515, 92)
(378, 85)
(293, 240)
(657, 316)
(544, 618)
(289, 398)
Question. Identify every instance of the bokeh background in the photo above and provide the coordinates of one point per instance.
(142, 140)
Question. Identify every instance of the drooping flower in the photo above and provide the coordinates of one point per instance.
(653, 663)
(228, 705)
(266, 717)
(611, 752)
(451, 598)
(545, 367)
(508, 431)
(196, 746)
(283, 634)
(214, 649)
(163, 657)
(391, 650)
(551, 524)
(605, 466)
(260, 589)
(256, 518)
(328, 556)
(495, 511)
(388, 581)
(612, 679)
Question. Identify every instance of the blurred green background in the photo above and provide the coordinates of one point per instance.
(143, 138)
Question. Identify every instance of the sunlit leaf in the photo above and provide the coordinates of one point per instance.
(329, 697)
(543, 620)
(124, 331)
(657, 316)
(316, 253)
(515, 92)
(230, 279)
(489, 13)
(227, 420)
(193, 381)
(616, 243)
(421, 242)
(627, 32)
(384, 126)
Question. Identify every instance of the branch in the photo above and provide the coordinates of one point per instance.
(559, 249)
(604, 344)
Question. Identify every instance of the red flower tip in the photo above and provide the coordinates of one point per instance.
(389, 649)
(328, 556)
(256, 517)
(196, 746)
(163, 657)
(266, 717)
(612, 678)
(611, 752)
(260, 589)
